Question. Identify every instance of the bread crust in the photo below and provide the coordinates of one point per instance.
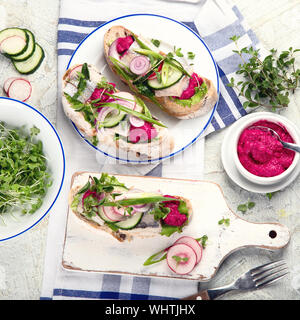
(120, 235)
(155, 149)
(170, 106)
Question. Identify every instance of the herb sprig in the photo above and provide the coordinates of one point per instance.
(24, 173)
(267, 82)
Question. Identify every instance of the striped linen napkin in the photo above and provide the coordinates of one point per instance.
(216, 21)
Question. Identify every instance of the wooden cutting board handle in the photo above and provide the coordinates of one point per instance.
(242, 233)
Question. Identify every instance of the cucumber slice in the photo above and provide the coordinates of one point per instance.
(30, 48)
(31, 64)
(114, 120)
(11, 49)
(131, 222)
(170, 76)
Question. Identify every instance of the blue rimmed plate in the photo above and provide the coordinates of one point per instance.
(16, 114)
(168, 30)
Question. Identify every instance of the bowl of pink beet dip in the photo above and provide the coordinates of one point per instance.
(258, 155)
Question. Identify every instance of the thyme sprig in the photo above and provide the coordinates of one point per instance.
(267, 82)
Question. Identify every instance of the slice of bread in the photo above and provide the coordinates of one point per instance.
(168, 103)
(147, 228)
(159, 147)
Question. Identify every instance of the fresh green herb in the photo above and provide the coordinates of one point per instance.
(160, 211)
(24, 173)
(95, 140)
(180, 259)
(178, 52)
(84, 188)
(103, 84)
(203, 241)
(191, 55)
(224, 221)
(244, 207)
(268, 82)
(85, 71)
(270, 195)
(155, 42)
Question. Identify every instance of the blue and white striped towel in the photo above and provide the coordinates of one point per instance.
(216, 21)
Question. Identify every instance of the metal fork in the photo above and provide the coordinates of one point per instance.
(255, 278)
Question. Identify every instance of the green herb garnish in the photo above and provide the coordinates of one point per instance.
(24, 173)
(245, 206)
(155, 42)
(178, 52)
(191, 55)
(225, 222)
(267, 82)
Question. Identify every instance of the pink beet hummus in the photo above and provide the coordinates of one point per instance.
(145, 133)
(123, 44)
(261, 153)
(195, 81)
(174, 217)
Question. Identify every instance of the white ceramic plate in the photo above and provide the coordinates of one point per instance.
(16, 114)
(233, 173)
(90, 50)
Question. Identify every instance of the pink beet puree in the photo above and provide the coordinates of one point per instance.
(174, 217)
(123, 44)
(99, 93)
(195, 81)
(145, 133)
(261, 153)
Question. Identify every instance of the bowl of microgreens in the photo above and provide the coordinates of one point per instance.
(32, 167)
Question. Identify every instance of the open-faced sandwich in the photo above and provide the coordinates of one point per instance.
(112, 118)
(126, 212)
(157, 76)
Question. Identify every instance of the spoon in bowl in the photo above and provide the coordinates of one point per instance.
(291, 146)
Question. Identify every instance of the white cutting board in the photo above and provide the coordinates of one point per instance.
(90, 249)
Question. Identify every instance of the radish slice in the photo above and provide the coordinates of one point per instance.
(194, 244)
(139, 65)
(19, 89)
(142, 207)
(186, 254)
(136, 122)
(74, 71)
(112, 52)
(7, 83)
(112, 215)
(12, 45)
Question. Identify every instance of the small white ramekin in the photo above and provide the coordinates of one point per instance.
(272, 117)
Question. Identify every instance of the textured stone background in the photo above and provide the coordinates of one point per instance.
(276, 23)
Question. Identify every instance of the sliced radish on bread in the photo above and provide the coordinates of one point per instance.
(19, 89)
(181, 258)
(112, 215)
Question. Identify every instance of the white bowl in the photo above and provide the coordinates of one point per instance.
(272, 117)
(16, 114)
